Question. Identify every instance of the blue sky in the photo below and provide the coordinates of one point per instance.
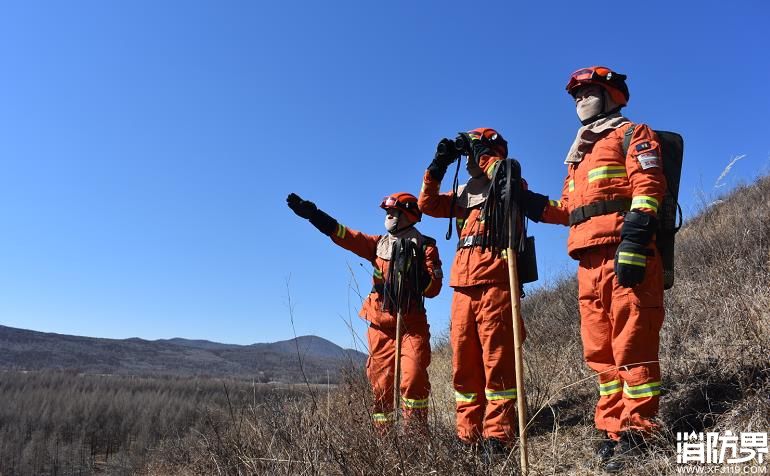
(146, 148)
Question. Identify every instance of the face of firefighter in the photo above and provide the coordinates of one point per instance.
(395, 220)
(589, 101)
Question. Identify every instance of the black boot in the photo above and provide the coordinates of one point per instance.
(606, 449)
(631, 447)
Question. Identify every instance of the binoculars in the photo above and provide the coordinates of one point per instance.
(457, 147)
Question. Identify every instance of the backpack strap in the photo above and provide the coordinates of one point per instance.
(627, 139)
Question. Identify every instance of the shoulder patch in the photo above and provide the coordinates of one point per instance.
(643, 146)
(648, 160)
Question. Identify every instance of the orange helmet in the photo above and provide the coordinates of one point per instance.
(613, 82)
(406, 202)
(494, 139)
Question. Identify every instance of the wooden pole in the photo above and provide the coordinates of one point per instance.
(513, 280)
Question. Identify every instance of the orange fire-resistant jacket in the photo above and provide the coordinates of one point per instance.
(471, 266)
(606, 174)
(365, 246)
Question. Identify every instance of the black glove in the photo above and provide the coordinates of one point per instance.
(446, 153)
(631, 263)
(631, 256)
(533, 205)
(303, 208)
(638, 227)
(309, 211)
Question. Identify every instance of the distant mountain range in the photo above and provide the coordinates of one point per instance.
(22, 349)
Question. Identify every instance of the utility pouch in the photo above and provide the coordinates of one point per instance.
(527, 262)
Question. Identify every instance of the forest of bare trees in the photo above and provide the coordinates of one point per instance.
(66, 423)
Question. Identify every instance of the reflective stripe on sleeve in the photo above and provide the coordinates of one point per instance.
(624, 257)
(465, 397)
(413, 403)
(607, 171)
(341, 230)
(643, 201)
(377, 273)
(508, 394)
(571, 185)
(610, 387)
(649, 389)
(555, 203)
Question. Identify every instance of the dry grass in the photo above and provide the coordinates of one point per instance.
(714, 356)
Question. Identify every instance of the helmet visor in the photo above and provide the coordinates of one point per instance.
(585, 75)
(402, 202)
(390, 202)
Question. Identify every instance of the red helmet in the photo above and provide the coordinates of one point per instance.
(494, 139)
(612, 81)
(406, 202)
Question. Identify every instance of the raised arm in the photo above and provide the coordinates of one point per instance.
(431, 201)
(359, 243)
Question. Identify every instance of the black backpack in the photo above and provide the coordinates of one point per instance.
(670, 213)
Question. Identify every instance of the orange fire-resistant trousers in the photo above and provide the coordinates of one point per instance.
(483, 367)
(415, 386)
(620, 330)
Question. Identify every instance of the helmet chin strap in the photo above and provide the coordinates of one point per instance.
(602, 115)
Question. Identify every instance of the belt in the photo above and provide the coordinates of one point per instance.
(469, 241)
(581, 214)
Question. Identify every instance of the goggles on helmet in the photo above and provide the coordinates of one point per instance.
(585, 75)
(402, 201)
(390, 202)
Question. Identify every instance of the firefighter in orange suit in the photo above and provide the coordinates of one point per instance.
(610, 202)
(481, 332)
(423, 278)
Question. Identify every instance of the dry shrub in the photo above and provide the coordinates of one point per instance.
(442, 393)
(327, 432)
(714, 356)
(715, 341)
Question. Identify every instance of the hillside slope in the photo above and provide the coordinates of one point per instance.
(30, 350)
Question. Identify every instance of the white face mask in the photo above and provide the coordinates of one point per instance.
(589, 105)
(395, 221)
(391, 223)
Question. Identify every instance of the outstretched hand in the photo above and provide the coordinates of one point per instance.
(303, 208)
